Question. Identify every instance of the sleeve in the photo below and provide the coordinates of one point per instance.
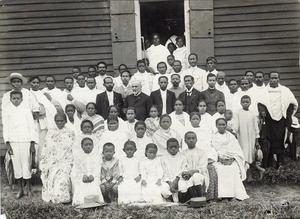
(116, 172)
(143, 171)
(235, 120)
(121, 168)
(256, 128)
(203, 161)
(80, 107)
(166, 174)
(5, 122)
(160, 171)
(102, 175)
(31, 126)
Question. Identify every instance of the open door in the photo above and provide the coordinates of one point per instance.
(123, 33)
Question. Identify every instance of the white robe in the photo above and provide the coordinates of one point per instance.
(157, 54)
(141, 144)
(181, 55)
(178, 126)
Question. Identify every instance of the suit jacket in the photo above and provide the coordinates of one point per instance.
(102, 103)
(141, 103)
(155, 98)
(192, 105)
(121, 90)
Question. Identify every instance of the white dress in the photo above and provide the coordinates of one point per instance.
(141, 144)
(177, 124)
(157, 54)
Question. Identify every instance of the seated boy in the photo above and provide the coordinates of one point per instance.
(109, 174)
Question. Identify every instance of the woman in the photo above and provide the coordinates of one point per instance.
(230, 163)
(181, 52)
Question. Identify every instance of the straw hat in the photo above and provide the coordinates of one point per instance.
(16, 75)
(295, 122)
(91, 201)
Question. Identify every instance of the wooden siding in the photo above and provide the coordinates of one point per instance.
(52, 36)
(260, 36)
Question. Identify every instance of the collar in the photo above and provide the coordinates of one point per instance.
(109, 92)
(161, 91)
(189, 90)
(137, 94)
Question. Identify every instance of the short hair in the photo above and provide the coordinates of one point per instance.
(178, 61)
(94, 104)
(104, 63)
(163, 77)
(273, 72)
(178, 99)
(70, 105)
(128, 142)
(154, 106)
(171, 44)
(140, 122)
(219, 119)
(113, 106)
(16, 92)
(31, 78)
(248, 71)
(68, 77)
(86, 138)
(210, 75)
(121, 66)
(86, 121)
(228, 110)
(180, 38)
(150, 145)
(195, 114)
(171, 140)
(246, 97)
(233, 79)
(126, 72)
(104, 79)
(244, 78)
(155, 34)
(161, 63)
(164, 116)
(81, 75)
(90, 77)
(189, 76)
(112, 118)
(63, 115)
(193, 54)
(189, 132)
(211, 58)
(131, 108)
(108, 144)
(50, 76)
(175, 74)
(171, 55)
(92, 66)
(78, 68)
(259, 72)
(140, 61)
(219, 101)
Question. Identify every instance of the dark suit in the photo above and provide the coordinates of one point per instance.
(191, 102)
(102, 103)
(141, 103)
(156, 99)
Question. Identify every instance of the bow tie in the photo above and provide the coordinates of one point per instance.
(189, 93)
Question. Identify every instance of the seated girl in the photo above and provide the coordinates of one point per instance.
(152, 123)
(56, 161)
(130, 122)
(206, 119)
(129, 189)
(221, 107)
(86, 173)
(73, 119)
(114, 111)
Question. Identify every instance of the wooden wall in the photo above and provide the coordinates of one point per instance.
(259, 35)
(52, 36)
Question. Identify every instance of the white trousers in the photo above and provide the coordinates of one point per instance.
(21, 159)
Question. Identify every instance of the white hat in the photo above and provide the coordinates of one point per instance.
(91, 201)
(16, 75)
(295, 122)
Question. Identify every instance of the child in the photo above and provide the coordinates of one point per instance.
(152, 123)
(170, 60)
(228, 117)
(109, 174)
(140, 139)
(19, 136)
(173, 165)
(97, 120)
(206, 119)
(114, 111)
(152, 173)
(86, 173)
(181, 52)
(130, 123)
(161, 136)
(144, 77)
(114, 135)
(221, 107)
(162, 71)
(211, 64)
(194, 177)
(129, 189)
(73, 121)
(246, 126)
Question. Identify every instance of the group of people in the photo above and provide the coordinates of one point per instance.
(152, 136)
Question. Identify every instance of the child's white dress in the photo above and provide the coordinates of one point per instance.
(129, 190)
(141, 144)
(151, 171)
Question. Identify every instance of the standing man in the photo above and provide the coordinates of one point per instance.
(233, 88)
(175, 80)
(108, 98)
(162, 98)
(221, 83)
(102, 67)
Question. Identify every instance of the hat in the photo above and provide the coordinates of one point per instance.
(16, 75)
(91, 201)
(197, 202)
(295, 122)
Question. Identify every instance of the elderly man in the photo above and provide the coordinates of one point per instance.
(221, 83)
(277, 105)
(138, 100)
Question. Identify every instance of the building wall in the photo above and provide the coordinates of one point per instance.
(50, 37)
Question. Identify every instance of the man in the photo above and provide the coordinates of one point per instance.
(162, 98)
(212, 95)
(221, 83)
(75, 72)
(190, 97)
(177, 67)
(277, 105)
(250, 76)
(144, 77)
(69, 88)
(138, 100)
(92, 71)
(162, 71)
(102, 67)
(118, 79)
(259, 84)
(233, 87)
(54, 94)
(125, 88)
(81, 83)
(108, 98)
(175, 80)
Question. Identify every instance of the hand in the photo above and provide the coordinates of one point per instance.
(120, 179)
(158, 182)
(144, 183)
(9, 148)
(90, 178)
(85, 178)
(48, 96)
(32, 148)
(137, 179)
(35, 115)
(70, 97)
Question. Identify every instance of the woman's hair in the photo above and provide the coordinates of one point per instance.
(150, 145)
(113, 106)
(129, 143)
(219, 101)
(89, 104)
(61, 115)
(195, 113)
(84, 139)
(180, 38)
(202, 101)
(70, 105)
(112, 118)
(140, 122)
(219, 119)
(34, 77)
(178, 99)
(164, 116)
(86, 121)
(131, 108)
(154, 106)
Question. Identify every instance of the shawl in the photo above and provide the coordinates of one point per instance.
(181, 55)
(152, 125)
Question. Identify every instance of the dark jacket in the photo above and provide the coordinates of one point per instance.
(141, 103)
(191, 105)
(156, 99)
(102, 104)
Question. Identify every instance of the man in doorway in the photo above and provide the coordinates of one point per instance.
(175, 80)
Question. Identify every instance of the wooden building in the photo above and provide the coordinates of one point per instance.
(52, 36)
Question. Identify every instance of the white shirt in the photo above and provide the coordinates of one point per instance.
(110, 96)
(164, 101)
(157, 54)
(224, 88)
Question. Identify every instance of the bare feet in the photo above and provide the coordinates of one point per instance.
(19, 194)
(261, 174)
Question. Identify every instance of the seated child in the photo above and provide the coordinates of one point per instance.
(86, 173)
(173, 165)
(140, 139)
(228, 117)
(130, 122)
(129, 189)
(194, 177)
(96, 119)
(221, 107)
(206, 119)
(109, 175)
(152, 123)
(152, 173)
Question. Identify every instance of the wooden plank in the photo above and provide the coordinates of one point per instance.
(224, 4)
(25, 2)
(261, 64)
(201, 23)
(201, 4)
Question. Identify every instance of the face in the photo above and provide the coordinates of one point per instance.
(221, 107)
(188, 82)
(165, 122)
(153, 112)
(91, 110)
(274, 79)
(171, 48)
(113, 125)
(101, 69)
(170, 60)
(191, 140)
(178, 106)
(86, 128)
(92, 72)
(76, 72)
(35, 84)
(122, 68)
(210, 65)
(221, 126)
(259, 79)
(16, 99)
(250, 76)
(90, 83)
(202, 107)
(175, 80)
(162, 68)
(136, 88)
(195, 121)
(113, 111)
(141, 67)
(60, 122)
(211, 81)
(87, 146)
(69, 84)
(156, 40)
(221, 78)
(81, 80)
(193, 60)
(108, 152)
(245, 102)
(140, 131)
(233, 86)
(244, 85)
(50, 83)
(129, 150)
(163, 83)
(130, 115)
(125, 78)
(177, 67)
(179, 43)
(173, 148)
(151, 153)
(70, 112)
(109, 84)
(228, 115)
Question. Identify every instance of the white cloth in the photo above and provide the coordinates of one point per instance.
(146, 80)
(21, 159)
(236, 101)
(164, 101)
(110, 96)
(214, 117)
(57, 95)
(87, 95)
(130, 129)
(75, 126)
(228, 100)
(200, 77)
(215, 72)
(181, 55)
(157, 54)
(207, 122)
(141, 144)
(224, 88)
(177, 125)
